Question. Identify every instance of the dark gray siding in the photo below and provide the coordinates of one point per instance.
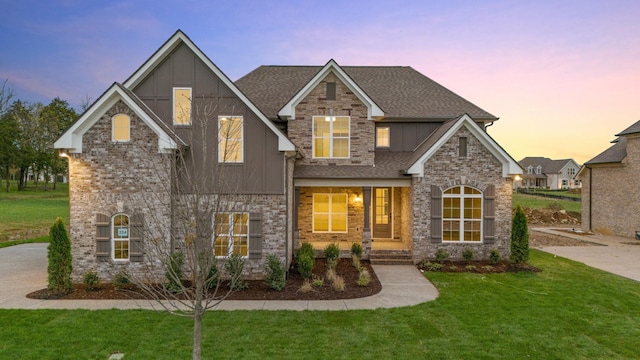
(407, 136)
(262, 171)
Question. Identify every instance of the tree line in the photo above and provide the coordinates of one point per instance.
(27, 133)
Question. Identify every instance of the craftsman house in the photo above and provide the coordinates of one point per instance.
(542, 172)
(382, 156)
(610, 184)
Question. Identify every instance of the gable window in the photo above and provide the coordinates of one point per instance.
(121, 128)
(120, 236)
(331, 136)
(462, 147)
(331, 91)
(231, 234)
(330, 213)
(182, 106)
(382, 137)
(462, 214)
(539, 170)
(530, 170)
(230, 139)
(571, 171)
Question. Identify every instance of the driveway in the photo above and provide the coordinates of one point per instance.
(617, 255)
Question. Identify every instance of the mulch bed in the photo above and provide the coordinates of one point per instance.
(480, 267)
(257, 289)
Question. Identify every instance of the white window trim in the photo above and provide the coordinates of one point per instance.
(388, 137)
(220, 158)
(113, 239)
(113, 124)
(346, 214)
(331, 138)
(174, 106)
(463, 196)
(230, 235)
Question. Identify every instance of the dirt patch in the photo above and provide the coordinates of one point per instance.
(552, 217)
(539, 240)
(257, 289)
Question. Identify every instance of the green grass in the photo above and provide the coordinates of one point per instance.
(538, 202)
(29, 214)
(566, 193)
(568, 311)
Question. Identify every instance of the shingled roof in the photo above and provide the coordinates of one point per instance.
(401, 91)
(618, 151)
(549, 166)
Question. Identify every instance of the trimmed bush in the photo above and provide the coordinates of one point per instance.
(519, 237)
(212, 277)
(173, 271)
(91, 280)
(59, 256)
(234, 267)
(332, 254)
(467, 254)
(275, 277)
(495, 257)
(442, 255)
(120, 280)
(306, 259)
(356, 250)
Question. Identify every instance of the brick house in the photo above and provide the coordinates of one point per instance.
(381, 156)
(610, 182)
(542, 172)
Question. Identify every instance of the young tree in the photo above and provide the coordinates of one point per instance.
(519, 237)
(9, 140)
(59, 255)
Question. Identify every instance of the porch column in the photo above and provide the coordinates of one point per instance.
(296, 204)
(366, 230)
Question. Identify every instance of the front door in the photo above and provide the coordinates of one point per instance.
(382, 213)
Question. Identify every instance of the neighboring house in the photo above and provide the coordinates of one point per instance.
(542, 172)
(381, 156)
(611, 181)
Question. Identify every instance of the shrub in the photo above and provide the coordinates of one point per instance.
(488, 268)
(468, 254)
(332, 254)
(355, 260)
(91, 280)
(318, 281)
(213, 276)
(306, 286)
(59, 256)
(356, 250)
(306, 260)
(519, 237)
(120, 280)
(338, 284)
(365, 278)
(173, 271)
(471, 268)
(275, 277)
(431, 266)
(495, 257)
(442, 255)
(234, 267)
(453, 267)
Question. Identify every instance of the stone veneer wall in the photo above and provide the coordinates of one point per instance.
(406, 220)
(355, 216)
(362, 131)
(615, 195)
(445, 169)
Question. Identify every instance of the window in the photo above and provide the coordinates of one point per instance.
(331, 91)
(571, 171)
(181, 106)
(462, 214)
(330, 213)
(462, 147)
(120, 237)
(530, 170)
(121, 128)
(231, 234)
(565, 182)
(230, 141)
(539, 170)
(331, 136)
(382, 137)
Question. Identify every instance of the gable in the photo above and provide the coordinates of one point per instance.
(447, 131)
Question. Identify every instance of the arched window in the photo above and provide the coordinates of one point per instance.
(121, 128)
(120, 236)
(462, 214)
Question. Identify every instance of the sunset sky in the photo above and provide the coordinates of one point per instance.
(562, 76)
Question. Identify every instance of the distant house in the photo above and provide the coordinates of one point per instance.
(323, 154)
(611, 180)
(542, 172)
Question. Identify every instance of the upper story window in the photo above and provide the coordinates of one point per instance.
(231, 234)
(181, 106)
(571, 171)
(462, 147)
(120, 236)
(539, 170)
(121, 128)
(331, 136)
(530, 170)
(462, 214)
(383, 137)
(230, 139)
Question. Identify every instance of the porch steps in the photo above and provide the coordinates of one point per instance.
(391, 257)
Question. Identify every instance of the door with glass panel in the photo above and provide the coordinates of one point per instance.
(382, 212)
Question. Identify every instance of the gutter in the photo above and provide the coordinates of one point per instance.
(590, 196)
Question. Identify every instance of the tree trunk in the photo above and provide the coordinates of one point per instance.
(22, 183)
(8, 183)
(198, 314)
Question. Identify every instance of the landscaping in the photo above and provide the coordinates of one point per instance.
(567, 311)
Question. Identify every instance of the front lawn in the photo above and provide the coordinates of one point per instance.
(538, 202)
(567, 311)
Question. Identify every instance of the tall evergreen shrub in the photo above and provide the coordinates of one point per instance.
(519, 237)
(59, 255)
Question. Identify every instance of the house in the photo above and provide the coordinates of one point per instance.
(610, 183)
(542, 172)
(381, 156)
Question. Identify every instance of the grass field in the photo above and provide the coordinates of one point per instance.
(537, 202)
(567, 311)
(29, 214)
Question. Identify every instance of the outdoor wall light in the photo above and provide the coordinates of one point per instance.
(63, 154)
(358, 198)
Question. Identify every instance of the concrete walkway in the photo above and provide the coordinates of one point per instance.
(24, 270)
(617, 255)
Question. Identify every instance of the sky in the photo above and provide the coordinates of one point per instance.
(562, 76)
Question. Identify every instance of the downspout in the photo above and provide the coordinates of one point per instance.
(486, 126)
(590, 196)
